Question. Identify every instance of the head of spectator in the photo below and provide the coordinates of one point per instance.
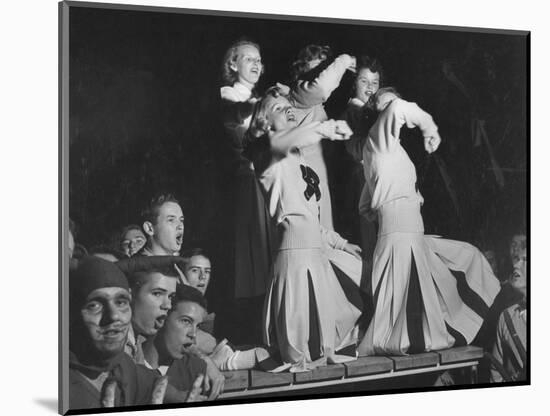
(517, 246)
(132, 239)
(368, 78)
(153, 281)
(309, 58)
(99, 312)
(163, 223)
(197, 269)
(518, 278)
(242, 63)
(179, 332)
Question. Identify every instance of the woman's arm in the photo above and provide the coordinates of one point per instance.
(400, 112)
(309, 93)
(283, 142)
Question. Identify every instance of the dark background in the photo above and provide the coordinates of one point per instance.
(144, 96)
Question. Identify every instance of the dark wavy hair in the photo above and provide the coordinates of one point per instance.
(151, 211)
(186, 293)
(192, 252)
(372, 64)
(229, 76)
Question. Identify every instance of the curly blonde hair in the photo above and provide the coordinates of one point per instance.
(259, 126)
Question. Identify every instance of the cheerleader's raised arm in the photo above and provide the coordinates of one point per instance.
(309, 93)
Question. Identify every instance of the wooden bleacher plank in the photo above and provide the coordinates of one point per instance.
(329, 372)
(236, 380)
(265, 379)
(368, 365)
(458, 354)
(408, 362)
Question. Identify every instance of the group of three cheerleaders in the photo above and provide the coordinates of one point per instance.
(427, 293)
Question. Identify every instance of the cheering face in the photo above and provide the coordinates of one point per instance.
(518, 280)
(152, 302)
(279, 113)
(133, 241)
(517, 246)
(106, 315)
(248, 65)
(366, 84)
(180, 330)
(167, 232)
(197, 271)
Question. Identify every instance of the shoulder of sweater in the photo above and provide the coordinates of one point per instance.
(229, 93)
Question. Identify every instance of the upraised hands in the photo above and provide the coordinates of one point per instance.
(351, 62)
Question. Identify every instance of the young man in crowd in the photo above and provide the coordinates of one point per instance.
(163, 226)
(153, 281)
(197, 271)
(168, 352)
(509, 351)
(100, 316)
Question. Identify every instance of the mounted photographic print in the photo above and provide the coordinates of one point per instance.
(259, 207)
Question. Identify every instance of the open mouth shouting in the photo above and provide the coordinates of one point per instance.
(186, 347)
(159, 321)
(290, 116)
(179, 239)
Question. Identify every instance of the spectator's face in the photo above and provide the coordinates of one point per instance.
(517, 245)
(167, 232)
(518, 280)
(152, 302)
(180, 330)
(132, 242)
(106, 315)
(248, 65)
(366, 84)
(279, 113)
(197, 272)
